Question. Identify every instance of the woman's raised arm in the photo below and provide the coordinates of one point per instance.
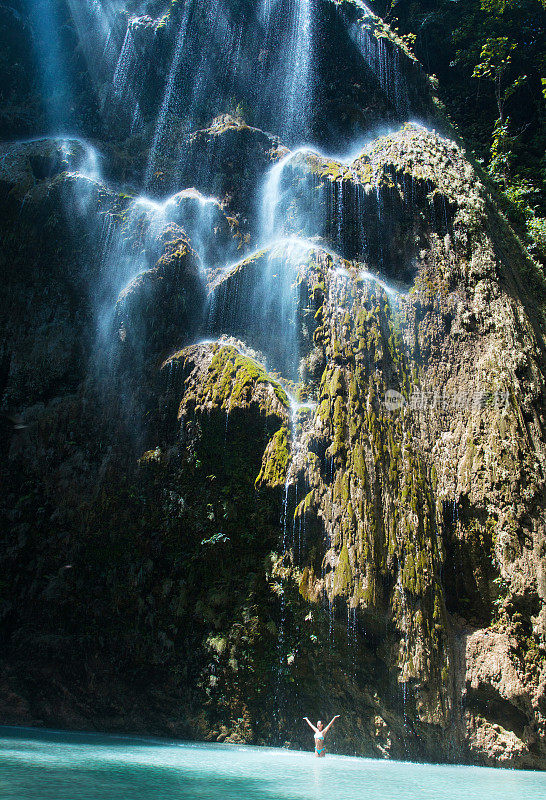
(311, 724)
(331, 723)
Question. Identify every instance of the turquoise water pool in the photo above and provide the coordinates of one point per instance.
(39, 765)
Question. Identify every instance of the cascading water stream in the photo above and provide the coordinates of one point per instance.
(225, 35)
(299, 87)
(125, 73)
(167, 95)
(308, 194)
(126, 61)
(272, 220)
(404, 654)
(258, 298)
(352, 639)
(265, 10)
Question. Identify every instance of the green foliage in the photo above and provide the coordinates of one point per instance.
(537, 229)
(501, 151)
(489, 59)
(495, 59)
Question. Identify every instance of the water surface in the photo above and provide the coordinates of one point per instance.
(39, 765)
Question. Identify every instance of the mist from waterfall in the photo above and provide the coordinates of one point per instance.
(55, 85)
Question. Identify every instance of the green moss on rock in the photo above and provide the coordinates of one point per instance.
(276, 460)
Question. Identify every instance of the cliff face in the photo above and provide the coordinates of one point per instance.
(273, 444)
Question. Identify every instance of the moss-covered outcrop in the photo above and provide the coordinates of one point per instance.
(223, 377)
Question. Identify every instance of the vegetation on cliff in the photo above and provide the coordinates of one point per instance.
(487, 59)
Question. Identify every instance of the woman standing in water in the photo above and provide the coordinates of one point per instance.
(320, 732)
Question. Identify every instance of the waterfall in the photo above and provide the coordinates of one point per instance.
(275, 196)
(162, 115)
(125, 74)
(126, 62)
(254, 65)
(265, 10)
(258, 298)
(270, 198)
(56, 89)
(299, 88)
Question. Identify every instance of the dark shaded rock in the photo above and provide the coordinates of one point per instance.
(163, 305)
(21, 103)
(245, 153)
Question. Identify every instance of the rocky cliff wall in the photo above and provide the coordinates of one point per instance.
(273, 444)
